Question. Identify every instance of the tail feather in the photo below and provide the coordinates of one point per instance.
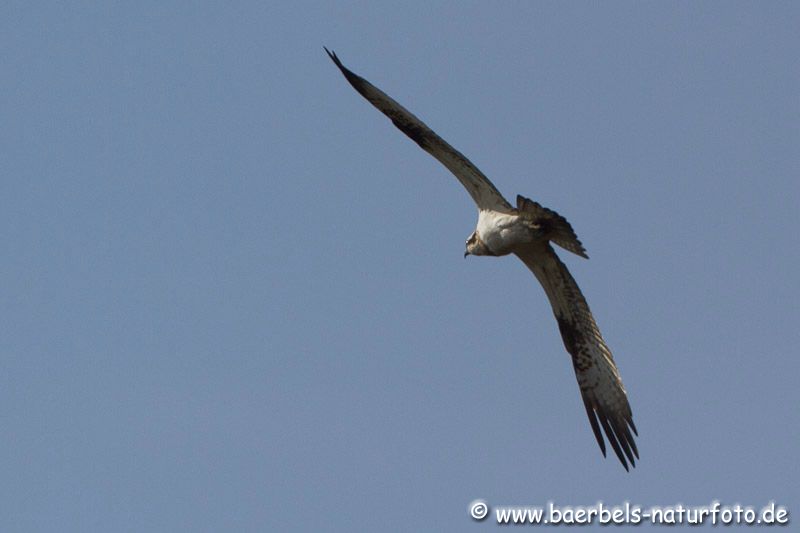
(555, 226)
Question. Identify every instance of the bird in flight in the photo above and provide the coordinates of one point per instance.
(527, 231)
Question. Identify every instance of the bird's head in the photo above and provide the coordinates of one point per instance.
(475, 246)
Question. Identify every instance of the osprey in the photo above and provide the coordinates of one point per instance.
(527, 231)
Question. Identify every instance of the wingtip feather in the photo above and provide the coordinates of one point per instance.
(617, 433)
(595, 427)
(612, 439)
(333, 57)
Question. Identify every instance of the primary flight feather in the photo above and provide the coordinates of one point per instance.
(526, 231)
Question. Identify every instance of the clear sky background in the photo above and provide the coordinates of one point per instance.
(234, 298)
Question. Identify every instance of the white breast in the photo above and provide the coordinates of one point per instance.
(501, 231)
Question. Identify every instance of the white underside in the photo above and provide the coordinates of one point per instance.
(501, 232)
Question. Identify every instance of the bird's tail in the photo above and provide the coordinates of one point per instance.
(554, 225)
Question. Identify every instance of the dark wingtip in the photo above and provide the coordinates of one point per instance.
(595, 427)
(333, 57)
(356, 81)
(612, 439)
(617, 433)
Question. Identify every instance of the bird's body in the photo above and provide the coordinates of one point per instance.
(527, 231)
(501, 233)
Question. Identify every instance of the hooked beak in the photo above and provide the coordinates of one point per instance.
(466, 254)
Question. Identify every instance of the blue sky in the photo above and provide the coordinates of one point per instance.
(234, 295)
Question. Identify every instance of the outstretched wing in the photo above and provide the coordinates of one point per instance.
(598, 378)
(483, 192)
